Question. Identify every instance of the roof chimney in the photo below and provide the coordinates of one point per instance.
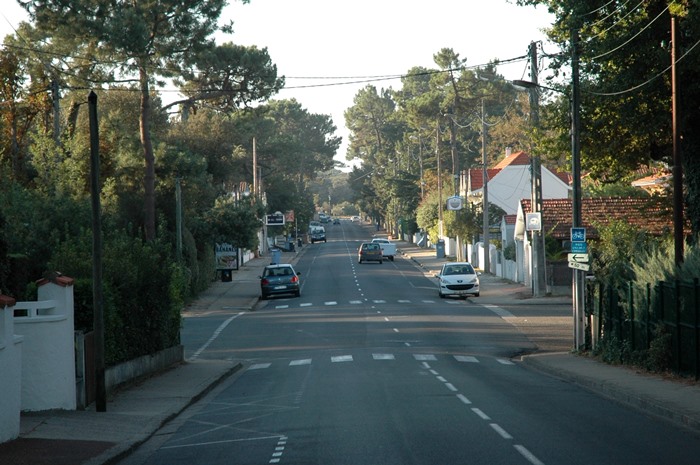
(508, 151)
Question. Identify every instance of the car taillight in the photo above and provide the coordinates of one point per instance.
(265, 282)
(295, 279)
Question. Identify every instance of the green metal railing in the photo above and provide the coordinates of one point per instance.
(632, 315)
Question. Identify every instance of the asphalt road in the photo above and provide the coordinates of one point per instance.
(369, 366)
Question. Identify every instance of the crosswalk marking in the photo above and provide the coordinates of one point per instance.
(260, 366)
(384, 301)
(389, 357)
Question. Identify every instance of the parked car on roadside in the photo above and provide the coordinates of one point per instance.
(369, 252)
(458, 279)
(279, 279)
(388, 248)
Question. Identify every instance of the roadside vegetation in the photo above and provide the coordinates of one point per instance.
(195, 155)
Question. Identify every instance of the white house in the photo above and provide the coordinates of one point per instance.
(510, 181)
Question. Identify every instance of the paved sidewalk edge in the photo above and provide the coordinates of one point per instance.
(610, 390)
(123, 450)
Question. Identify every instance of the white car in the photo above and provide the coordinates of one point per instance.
(458, 279)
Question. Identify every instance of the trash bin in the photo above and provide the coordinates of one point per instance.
(276, 256)
(226, 276)
(440, 249)
(290, 246)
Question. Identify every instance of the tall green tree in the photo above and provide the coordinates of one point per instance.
(143, 41)
(625, 67)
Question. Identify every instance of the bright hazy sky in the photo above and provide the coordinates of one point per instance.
(360, 39)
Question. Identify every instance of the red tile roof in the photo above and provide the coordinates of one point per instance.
(651, 214)
(477, 177)
(510, 219)
(517, 158)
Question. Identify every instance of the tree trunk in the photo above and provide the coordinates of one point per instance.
(149, 181)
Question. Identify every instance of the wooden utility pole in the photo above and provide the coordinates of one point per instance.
(98, 311)
(677, 155)
(539, 281)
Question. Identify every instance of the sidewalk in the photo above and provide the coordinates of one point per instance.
(134, 414)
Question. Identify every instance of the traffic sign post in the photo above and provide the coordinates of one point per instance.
(579, 266)
(578, 247)
(578, 257)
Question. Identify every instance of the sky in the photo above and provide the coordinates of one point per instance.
(330, 49)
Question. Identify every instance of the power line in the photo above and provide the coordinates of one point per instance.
(631, 38)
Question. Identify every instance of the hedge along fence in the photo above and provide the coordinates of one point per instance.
(639, 317)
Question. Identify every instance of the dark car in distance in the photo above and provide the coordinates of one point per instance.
(279, 279)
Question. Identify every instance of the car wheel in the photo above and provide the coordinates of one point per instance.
(263, 297)
(442, 296)
(391, 258)
(359, 260)
(476, 295)
(297, 293)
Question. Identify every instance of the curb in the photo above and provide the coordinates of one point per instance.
(122, 450)
(614, 392)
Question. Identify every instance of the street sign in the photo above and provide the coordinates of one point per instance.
(533, 221)
(579, 247)
(275, 219)
(578, 234)
(578, 257)
(579, 266)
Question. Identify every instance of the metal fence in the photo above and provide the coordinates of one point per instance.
(632, 315)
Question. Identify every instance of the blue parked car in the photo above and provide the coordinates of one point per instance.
(279, 279)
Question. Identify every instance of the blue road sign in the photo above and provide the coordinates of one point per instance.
(578, 234)
(579, 247)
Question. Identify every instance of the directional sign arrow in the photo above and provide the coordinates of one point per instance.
(578, 257)
(579, 266)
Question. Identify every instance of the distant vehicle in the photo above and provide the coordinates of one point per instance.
(388, 248)
(318, 235)
(336, 220)
(458, 279)
(355, 219)
(279, 279)
(314, 223)
(369, 252)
